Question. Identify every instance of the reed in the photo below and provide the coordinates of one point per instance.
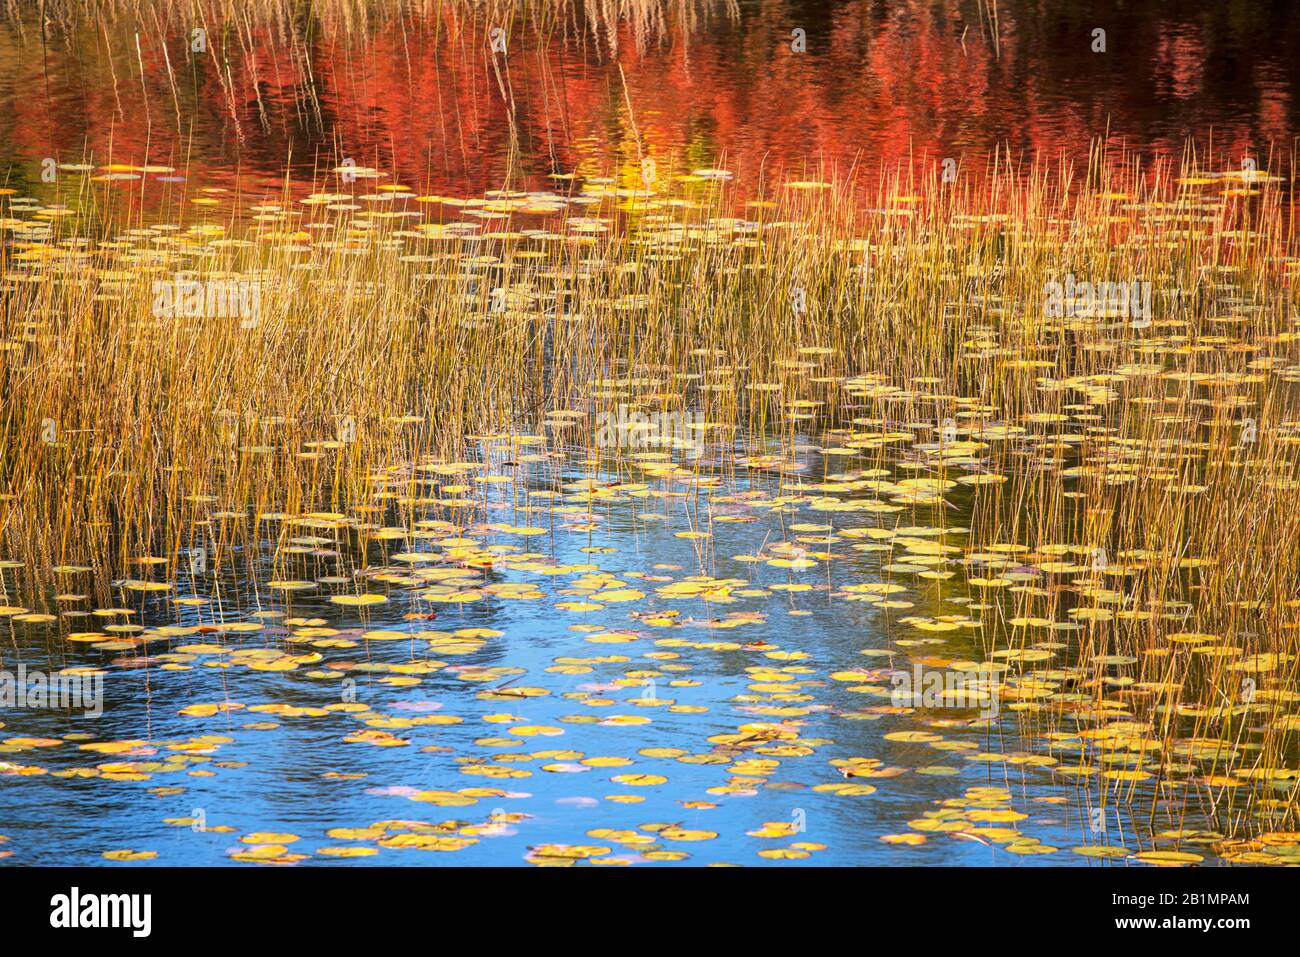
(1126, 479)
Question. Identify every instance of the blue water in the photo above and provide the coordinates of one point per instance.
(280, 787)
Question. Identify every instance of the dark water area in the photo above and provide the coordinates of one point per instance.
(426, 97)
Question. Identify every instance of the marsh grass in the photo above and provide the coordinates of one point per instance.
(1129, 488)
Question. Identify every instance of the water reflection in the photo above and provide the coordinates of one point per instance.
(425, 96)
(286, 773)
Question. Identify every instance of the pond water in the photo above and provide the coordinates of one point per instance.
(539, 652)
(530, 692)
(421, 96)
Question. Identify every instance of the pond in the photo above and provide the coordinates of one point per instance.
(709, 433)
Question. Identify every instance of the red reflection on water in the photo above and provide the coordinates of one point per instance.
(879, 83)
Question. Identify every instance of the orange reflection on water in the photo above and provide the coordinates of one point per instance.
(426, 98)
